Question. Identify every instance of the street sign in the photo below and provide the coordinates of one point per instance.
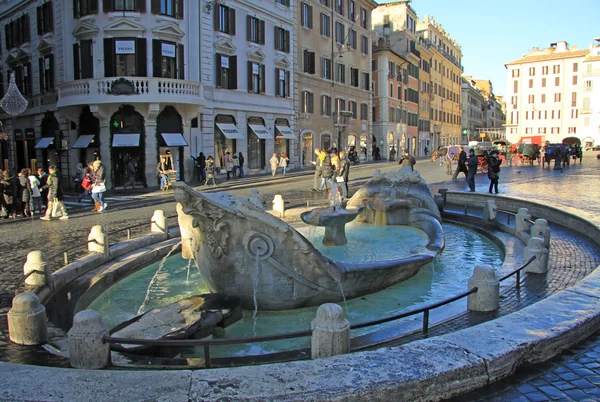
(482, 135)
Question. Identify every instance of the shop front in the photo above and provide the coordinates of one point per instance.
(25, 156)
(170, 140)
(283, 135)
(127, 142)
(257, 137)
(226, 136)
(88, 139)
(308, 144)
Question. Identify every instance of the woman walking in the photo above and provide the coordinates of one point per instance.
(55, 196)
(283, 162)
(274, 162)
(99, 187)
(493, 170)
(210, 171)
(36, 195)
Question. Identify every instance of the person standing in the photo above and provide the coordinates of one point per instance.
(130, 174)
(202, 166)
(462, 163)
(318, 170)
(449, 157)
(43, 178)
(425, 151)
(343, 173)
(87, 182)
(329, 169)
(228, 164)
(241, 161)
(471, 169)
(407, 160)
(99, 187)
(236, 165)
(210, 171)
(25, 193)
(35, 193)
(493, 170)
(55, 196)
(283, 162)
(274, 162)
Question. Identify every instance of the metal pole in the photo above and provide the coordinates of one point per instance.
(425, 321)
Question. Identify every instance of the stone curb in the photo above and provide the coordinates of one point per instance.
(430, 369)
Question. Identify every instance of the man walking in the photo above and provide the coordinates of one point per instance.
(55, 196)
(461, 167)
(472, 169)
(130, 174)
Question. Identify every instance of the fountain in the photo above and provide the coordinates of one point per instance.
(241, 250)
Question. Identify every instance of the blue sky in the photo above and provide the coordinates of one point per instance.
(493, 33)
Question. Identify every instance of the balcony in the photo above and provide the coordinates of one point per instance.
(130, 90)
(343, 118)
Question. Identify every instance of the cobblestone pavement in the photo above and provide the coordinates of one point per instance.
(574, 188)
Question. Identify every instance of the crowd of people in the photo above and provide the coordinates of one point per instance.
(205, 168)
(331, 169)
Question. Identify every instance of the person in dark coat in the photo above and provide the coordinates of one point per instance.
(201, 161)
(328, 169)
(55, 196)
(131, 173)
(24, 192)
(241, 161)
(493, 170)
(344, 172)
(43, 177)
(471, 169)
(462, 164)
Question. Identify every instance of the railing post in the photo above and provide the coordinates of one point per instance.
(27, 320)
(518, 279)
(330, 332)
(207, 362)
(535, 248)
(87, 348)
(487, 297)
(540, 229)
(128, 234)
(425, 321)
(98, 241)
(36, 261)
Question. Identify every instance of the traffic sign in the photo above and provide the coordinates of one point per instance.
(482, 135)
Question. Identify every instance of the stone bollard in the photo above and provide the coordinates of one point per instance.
(279, 205)
(535, 248)
(487, 297)
(87, 349)
(489, 211)
(330, 332)
(27, 320)
(158, 224)
(521, 224)
(541, 229)
(100, 240)
(36, 261)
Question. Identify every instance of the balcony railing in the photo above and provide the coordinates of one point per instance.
(140, 89)
(343, 118)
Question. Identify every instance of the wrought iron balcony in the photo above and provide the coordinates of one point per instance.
(342, 118)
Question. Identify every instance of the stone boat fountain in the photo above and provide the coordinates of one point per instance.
(241, 250)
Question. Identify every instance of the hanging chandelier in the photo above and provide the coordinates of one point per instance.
(14, 102)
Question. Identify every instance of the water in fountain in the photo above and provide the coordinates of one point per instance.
(255, 287)
(162, 263)
(343, 296)
(187, 278)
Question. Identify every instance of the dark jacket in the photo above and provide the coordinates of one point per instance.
(201, 161)
(493, 166)
(55, 191)
(24, 188)
(328, 167)
(472, 162)
(99, 176)
(344, 168)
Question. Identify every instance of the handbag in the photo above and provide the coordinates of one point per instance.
(339, 179)
(99, 189)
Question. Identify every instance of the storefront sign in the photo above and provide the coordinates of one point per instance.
(125, 47)
(224, 62)
(282, 75)
(168, 50)
(126, 140)
(29, 134)
(255, 69)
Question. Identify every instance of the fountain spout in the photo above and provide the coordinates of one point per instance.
(334, 220)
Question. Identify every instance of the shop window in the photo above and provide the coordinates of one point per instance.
(167, 59)
(226, 71)
(125, 57)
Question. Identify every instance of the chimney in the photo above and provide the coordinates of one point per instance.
(381, 42)
(562, 46)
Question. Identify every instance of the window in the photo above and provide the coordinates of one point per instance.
(326, 68)
(83, 60)
(325, 3)
(364, 44)
(556, 81)
(530, 83)
(340, 73)
(224, 19)
(82, 8)
(283, 2)
(46, 74)
(545, 70)
(282, 39)
(325, 25)
(557, 97)
(575, 67)
(308, 102)
(17, 32)
(325, 105)
(44, 18)
(306, 16)
(352, 39)
(364, 111)
(574, 113)
(226, 76)
(256, 78)
(531, 99)
(309, 62)
(340, 105)
(124, 5)
(574, 80)
(339, 6)
(392, 114)
(365, 84)
(588, 86)
(531, 71)
(543, 82)
(363, 18)
(572, 130)
(125, 57)
(556, 69)
(340, 34)
(515, 86)
(167, 59)
(352, 107)
(586, 105)
(515, 71)
(282, 88)
(543, 98)
(23, 79)
(351, 10)
(171, 8)
(354, 77)
(255, 30)
(573, 99)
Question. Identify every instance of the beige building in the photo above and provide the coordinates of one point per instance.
(544, 96)
(446, 71)
(333, 75)
(473, 110)
(590, 102)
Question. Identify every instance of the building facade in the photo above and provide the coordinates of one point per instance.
(545, 95)
(474, 111)
(590, 102)
(333, 76)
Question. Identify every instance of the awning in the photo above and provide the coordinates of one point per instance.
(230, 131)
(83, 141)
(174, 139)
(260, 131)
(126, 140)
(287, 132)
(44, 142)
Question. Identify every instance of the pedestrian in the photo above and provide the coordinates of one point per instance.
(392, 154)
(449, 158)
(425, 150)
(202, 166)
(162, 169)
(329, 169)
(377, 154)
(130, 174)
(87, 182)
(493, 170)
(55, 196)
(43, 178)
(236, 165)
(319, 157)
(407, 160)
(283, 163)
(24, 190)
(35, 193)
(9, 194)
(343, 173)
(3, 210)
(274, 162)
(228, 164)
(241, 160)
(471, 169)
(462, 164)
(210, 171)
(99, 187)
